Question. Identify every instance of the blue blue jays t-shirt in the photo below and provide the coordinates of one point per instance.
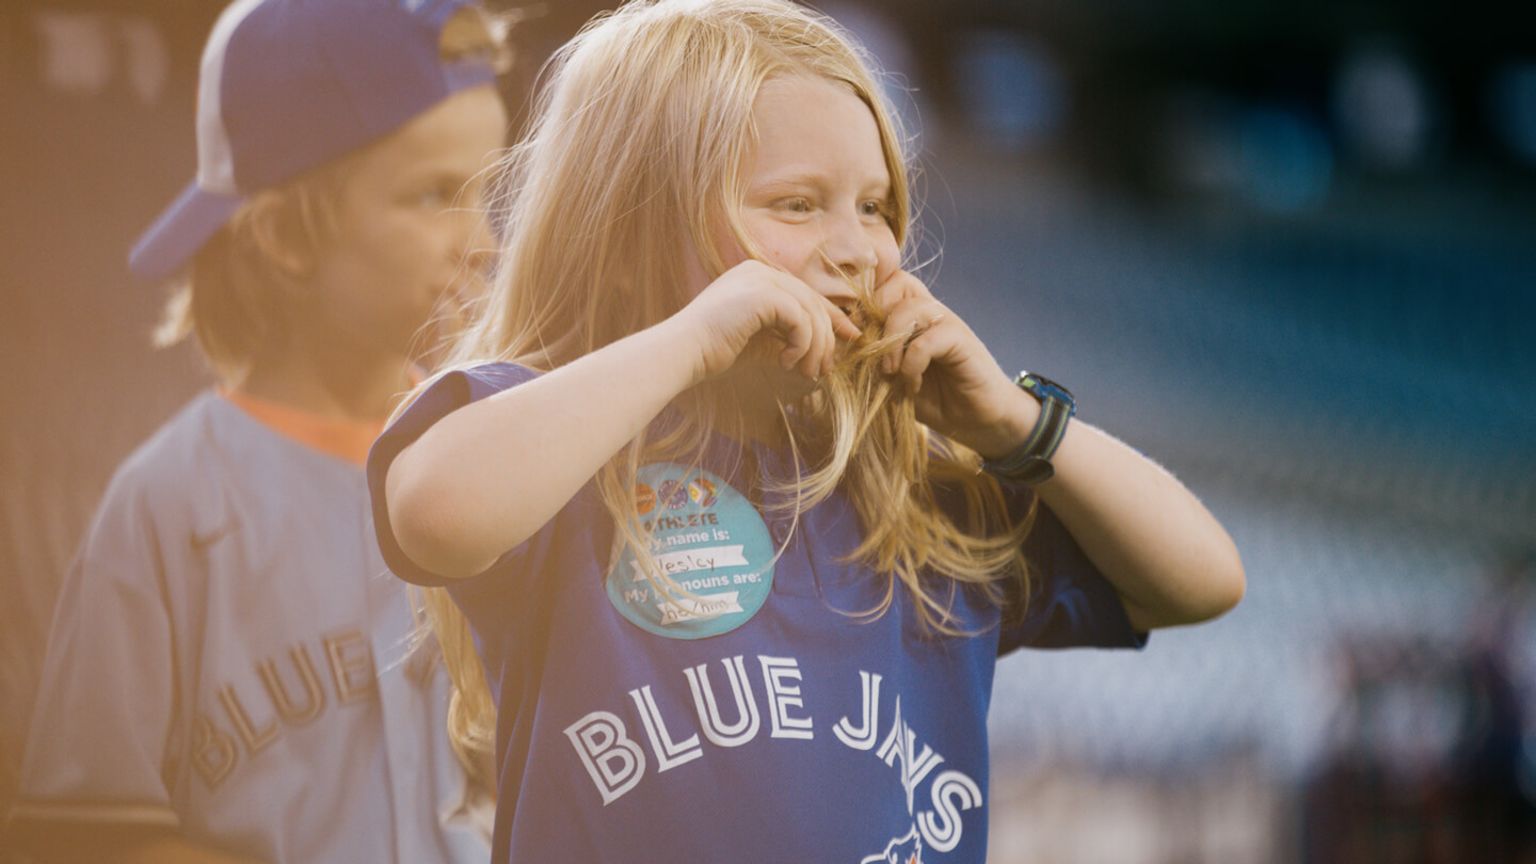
(753, 716)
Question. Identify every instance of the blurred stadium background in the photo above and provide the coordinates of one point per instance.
(1286, 248)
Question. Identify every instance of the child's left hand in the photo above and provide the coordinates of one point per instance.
(957, 386)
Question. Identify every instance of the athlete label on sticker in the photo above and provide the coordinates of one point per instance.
(712, 545)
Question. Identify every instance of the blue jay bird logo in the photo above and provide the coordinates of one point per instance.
(906, 849)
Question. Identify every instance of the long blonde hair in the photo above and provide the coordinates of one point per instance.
(633, 158)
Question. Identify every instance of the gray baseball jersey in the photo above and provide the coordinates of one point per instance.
(231, 658)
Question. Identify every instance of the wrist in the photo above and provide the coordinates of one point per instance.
(1029, 461)
(999, 439)
(673, 354)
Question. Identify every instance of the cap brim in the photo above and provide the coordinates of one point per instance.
(180, 231)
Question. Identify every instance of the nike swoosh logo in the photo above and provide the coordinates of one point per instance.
(201, 541)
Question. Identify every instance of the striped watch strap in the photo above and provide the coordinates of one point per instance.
(1030, 462)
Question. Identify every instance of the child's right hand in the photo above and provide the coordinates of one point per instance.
(766, 315)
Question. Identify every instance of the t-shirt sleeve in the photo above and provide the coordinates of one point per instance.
(105, 710)
(1070, 603)
(447, 394)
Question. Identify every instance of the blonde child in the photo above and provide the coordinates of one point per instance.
(739, 515)
(227, 676)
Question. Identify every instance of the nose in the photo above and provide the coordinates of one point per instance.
(847, 247)
(481, 250)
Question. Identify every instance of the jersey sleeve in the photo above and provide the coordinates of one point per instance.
(448, 393)
(104, 716)
(1070, 603)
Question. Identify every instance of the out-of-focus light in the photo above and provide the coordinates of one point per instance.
(148, 60)
(83, 52)
(1198, 154)
(1383, 109)
(1286, 158)
(1272, 157)
(1014, 92)
(888, 45)
(76, 53)
(1513, 104)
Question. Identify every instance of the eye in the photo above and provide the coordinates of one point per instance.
(794, 205)
(438, 196)
(873, 207)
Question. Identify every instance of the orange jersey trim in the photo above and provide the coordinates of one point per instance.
(347, 440)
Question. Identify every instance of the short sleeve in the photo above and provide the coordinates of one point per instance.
(1070, 603)
(447, 394)
(106, 705)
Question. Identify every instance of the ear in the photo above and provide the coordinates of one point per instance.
(472, 32)
(282, 229)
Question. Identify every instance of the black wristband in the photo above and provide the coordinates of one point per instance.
(1030, 462)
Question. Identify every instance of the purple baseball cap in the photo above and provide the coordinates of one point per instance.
(287, 85)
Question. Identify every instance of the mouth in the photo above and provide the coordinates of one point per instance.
(452, 305)
(851, 307)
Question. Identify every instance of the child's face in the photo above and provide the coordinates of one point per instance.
(817, 187)
(412, 236)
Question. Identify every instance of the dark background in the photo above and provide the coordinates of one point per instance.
(1285, 248)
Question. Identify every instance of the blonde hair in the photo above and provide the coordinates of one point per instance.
(237, 290)
(236, 294)
(660, 95)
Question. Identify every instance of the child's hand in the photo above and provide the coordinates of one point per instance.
(767, 315)
(958, 388)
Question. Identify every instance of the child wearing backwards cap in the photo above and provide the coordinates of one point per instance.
(230, 674)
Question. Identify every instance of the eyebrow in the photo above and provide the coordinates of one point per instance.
(435, 174)
(810, 178)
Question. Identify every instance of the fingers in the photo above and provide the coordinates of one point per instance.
(918, 354)
(811, 326)
(773, 314)
(818, 359)
(807, 335)
(910, 310)
(798, 332)
(921, 322)
(842, 325)
(900, 286)
(838, 328)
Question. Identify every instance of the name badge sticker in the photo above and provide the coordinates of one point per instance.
(709, 540)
